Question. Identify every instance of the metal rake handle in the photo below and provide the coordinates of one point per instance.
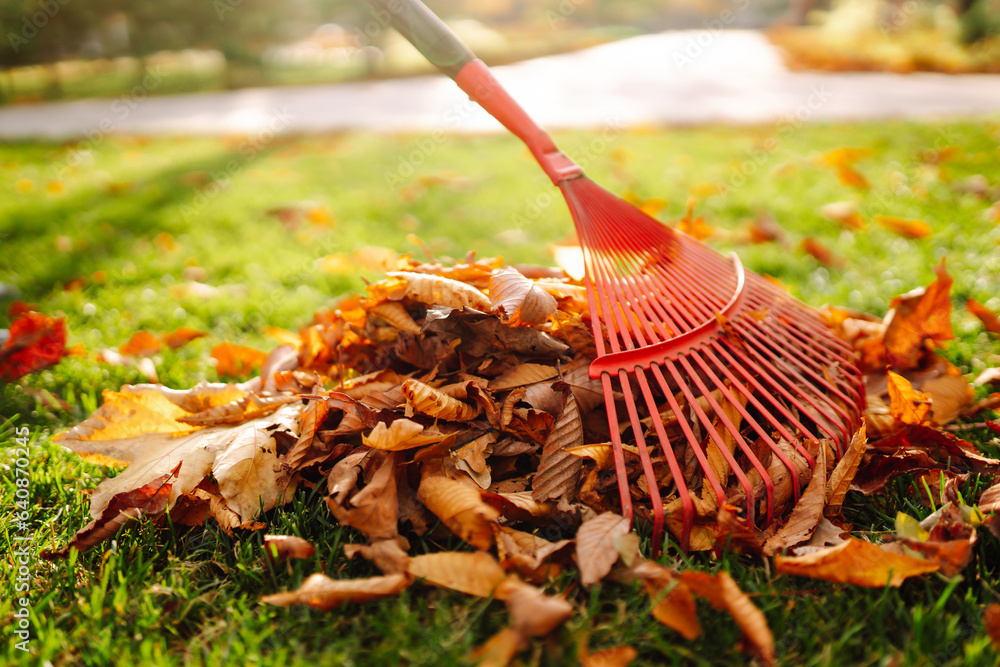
(442, 47)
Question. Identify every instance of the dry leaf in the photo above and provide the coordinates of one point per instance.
(618, 656)
(517, 301)
(388, 555)
(474, 573)
(375, 509)
(532, 612)
(907, 404)
(805, 516)
(321, 592)
(843, 473)
(596, 546)
(990, 321)
(181, 336)
(461, 508)
(559, 471)
(432, 402)
(855, 562)
(991, 623)
(673, 603)
(499, 649)
(286, 547)
(521, 375)
(435, 291)
(918, 318)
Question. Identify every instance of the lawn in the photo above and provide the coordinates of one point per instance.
(123, 235)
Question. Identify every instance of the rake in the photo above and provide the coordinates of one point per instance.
(721, 373)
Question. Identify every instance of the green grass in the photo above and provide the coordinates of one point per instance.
(189, 596)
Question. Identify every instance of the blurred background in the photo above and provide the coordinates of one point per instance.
(63, 49)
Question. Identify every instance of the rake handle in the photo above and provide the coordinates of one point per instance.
(442, 47)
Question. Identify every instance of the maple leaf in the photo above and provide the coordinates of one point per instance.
(34, 341)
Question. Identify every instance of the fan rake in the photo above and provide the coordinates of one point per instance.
(718, 372)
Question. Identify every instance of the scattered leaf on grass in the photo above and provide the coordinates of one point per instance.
(287, 547)
(321, 592)
(473, 573)
(236, 360)
(597, 546)
(907, 227)
(990, 321)
(855, 562)
(34, 341)
(460, 507)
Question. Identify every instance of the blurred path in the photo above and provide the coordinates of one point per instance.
(674, 77)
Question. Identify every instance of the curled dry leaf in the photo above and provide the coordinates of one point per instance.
(596, 546)
(388, 555)
(321, 592)
(920, 318)
(402, 434)
(673, 603)
(287, 547)
(533, 612)
(432, 402)
(517, 300)
(395, 315)
(805, 515)
(435, 291)
(375, 509)
(461, 508)
(843, 474)
(474, 573)
(855, 562)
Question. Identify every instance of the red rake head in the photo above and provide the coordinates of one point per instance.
(728, 384)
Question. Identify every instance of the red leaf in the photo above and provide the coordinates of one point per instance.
(35, 342)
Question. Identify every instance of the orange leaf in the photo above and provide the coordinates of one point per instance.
(141, 344)
(908, 227)
(181, 336)
(34, 341)
(236, 360)
(855, 562)
(674, 605)
(985, 315)
(851, 177)
(906, 403)
(820, 252)
(922, 316)
(991, 622)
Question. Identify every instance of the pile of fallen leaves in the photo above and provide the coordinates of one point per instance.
(457, 399)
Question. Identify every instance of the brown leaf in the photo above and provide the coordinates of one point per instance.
(286, 547)
(533, 612)
(855, 562)
(395, 315)
(517, 301)
(596, 546)
(499, 649)
(432, 402)
(148, 500)
(309, 422)
(673, 603)
(843, 474)
(521, 375)
(820, 252)
(559, 471)
(402, 434)
(461, 508)
(388, 555)
(474, 573)
(375, 509)
(321, 592)
(805, 516)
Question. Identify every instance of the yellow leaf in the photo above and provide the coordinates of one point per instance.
(461, 508)
(906, 403)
